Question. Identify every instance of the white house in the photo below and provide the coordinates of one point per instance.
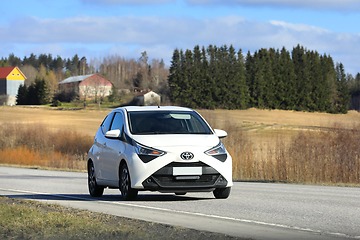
(148, 98)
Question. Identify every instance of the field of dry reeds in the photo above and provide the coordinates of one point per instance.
(38, 145)
(314, 148)
(312, 155)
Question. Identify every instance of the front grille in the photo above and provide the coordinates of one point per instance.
(164, 179)
(171, 180)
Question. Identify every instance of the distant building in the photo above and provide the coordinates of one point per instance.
(10, 80)
(88, 86)
(148, 98)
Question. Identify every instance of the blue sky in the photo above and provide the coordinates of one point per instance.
(100, 28)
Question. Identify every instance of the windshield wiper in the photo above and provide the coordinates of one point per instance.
(148, 133)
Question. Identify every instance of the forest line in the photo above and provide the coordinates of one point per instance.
(215, 77)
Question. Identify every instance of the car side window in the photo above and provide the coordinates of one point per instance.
(105, 126)
(118, 122)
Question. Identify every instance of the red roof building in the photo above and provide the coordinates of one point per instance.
(88, 86)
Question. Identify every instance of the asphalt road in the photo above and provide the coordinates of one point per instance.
(257, 210)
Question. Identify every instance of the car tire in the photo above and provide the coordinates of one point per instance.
(222, 193)
(94, 189)
(127, 192)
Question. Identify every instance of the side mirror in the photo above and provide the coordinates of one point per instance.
(220, 133)
(113, 134)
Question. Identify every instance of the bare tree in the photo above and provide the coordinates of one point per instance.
(84, 68)
(85, 91)
(30, 72)
(125, 73)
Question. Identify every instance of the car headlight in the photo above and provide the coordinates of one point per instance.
(146, 154)
(218, 152)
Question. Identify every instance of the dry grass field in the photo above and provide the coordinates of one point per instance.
(264, 127)
(84, 121)
(266, 145)
(260, 122)
(265, 121)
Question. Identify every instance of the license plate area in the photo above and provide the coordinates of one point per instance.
(187, 171)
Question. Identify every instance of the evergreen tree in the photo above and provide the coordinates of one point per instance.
(240, 78)
(42, 93)
(357, 82)
(233, 79)
(222, 77)
(327, 82)
(286, 88)
(355, 93)
(21, 98)
(270, 64)
(250, 77)
(174, 77)
(316, 91)
(45, 60)
(277, 81)
(219, 77)
(197, 76)
(113, 95)
(206, 83)
(58, 64)
(303, 85)
(213, 73)
(32, 60)
(187, 84)
(32, 97)
(35, 94)
(13, 60)
(343, 96)
(259, 80)
(4, 63)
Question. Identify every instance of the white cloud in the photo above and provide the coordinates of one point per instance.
(337, 5)
(299, 27)
(159, 36)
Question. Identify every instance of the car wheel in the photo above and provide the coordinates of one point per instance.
(94, 189)
(127, 192)
(222, 193)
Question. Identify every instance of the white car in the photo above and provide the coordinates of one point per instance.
(165, 149)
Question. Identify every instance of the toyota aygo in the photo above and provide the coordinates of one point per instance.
(165, 149)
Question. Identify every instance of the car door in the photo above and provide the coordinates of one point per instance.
(100, 143)
(114, 148)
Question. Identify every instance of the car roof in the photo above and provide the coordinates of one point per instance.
(155, 108)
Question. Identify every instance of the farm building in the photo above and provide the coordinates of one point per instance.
(88, 86)
(148, 98)
(10, 80)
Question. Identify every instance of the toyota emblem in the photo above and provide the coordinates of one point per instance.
(187, 155)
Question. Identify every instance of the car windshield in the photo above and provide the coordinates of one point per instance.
(166, 122)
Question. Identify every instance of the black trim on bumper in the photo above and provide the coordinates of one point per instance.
(220, 157)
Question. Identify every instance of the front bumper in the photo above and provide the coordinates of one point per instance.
(164, 179)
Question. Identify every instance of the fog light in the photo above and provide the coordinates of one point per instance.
(221, 179)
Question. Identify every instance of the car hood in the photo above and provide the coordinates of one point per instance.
(176, 140)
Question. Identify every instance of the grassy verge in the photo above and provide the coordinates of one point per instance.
(22, 219)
